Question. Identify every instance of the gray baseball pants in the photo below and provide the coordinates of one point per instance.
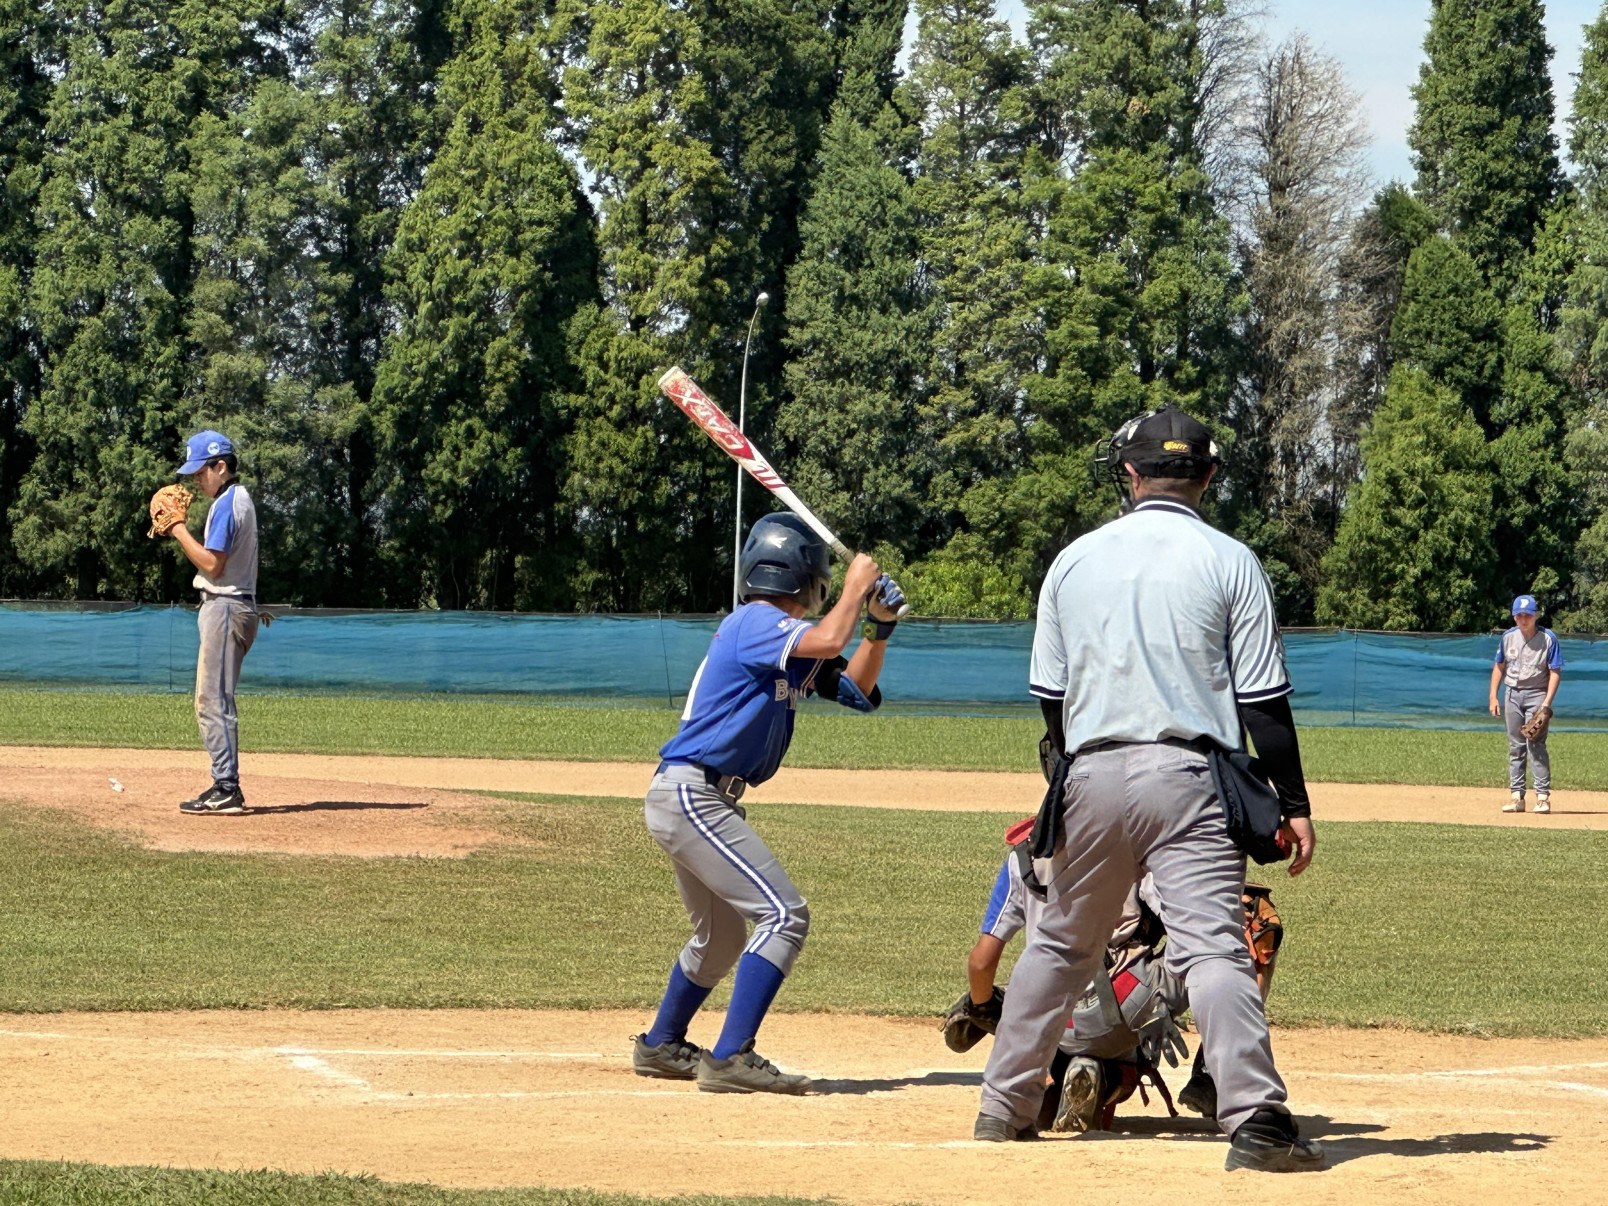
(1131, 808)
(1519, 706)
(727, 878)
(228, 627)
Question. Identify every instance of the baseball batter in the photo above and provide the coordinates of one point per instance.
(734, 731)
(1156, 640)
(1530, 662)
(225, 560)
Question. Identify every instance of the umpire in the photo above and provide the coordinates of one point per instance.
(1156, 640)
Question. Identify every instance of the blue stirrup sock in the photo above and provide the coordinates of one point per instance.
(681, 1000)
(757, 981)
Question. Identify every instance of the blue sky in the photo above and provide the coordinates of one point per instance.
(1380, 43)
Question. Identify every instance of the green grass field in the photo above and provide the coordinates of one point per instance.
(827, 736)
(49, 1184)
(1396, 925)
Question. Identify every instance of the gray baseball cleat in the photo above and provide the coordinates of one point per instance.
(1081, 1096)
(671, 1060)
(1268, 1141)
(989, 1129)
(747, 1072)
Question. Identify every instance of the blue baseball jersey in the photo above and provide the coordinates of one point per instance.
(232, 530)
(742, 702)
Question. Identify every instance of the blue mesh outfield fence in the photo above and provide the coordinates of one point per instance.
(1341, 678)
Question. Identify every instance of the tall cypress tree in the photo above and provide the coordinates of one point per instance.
(1482, 136)
(29, 49)
(1414, 550)
(968, 89)
(1139, 290)
(493, 261)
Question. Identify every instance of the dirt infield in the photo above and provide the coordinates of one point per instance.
(366, 805)
(520, 1098)
(490, 1099)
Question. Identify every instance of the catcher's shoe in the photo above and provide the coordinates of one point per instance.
(670, 1060)
(1543, 802)
(989, 1129)
(1268, 1141)
(1082, 1094)
(1200, 1094)
(747, 1072)
(217, 800)
(1515, 803)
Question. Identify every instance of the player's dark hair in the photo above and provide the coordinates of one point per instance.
(229, 463)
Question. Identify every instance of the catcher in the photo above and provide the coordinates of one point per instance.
(1125, 1024)
(225, 560)
(1530, 661)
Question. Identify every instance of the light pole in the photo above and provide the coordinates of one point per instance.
(742, 425)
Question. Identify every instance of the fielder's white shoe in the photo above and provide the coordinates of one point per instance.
(1543, 802)
(1515, 803)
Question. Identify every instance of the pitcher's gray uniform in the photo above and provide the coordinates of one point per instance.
(1150, 631)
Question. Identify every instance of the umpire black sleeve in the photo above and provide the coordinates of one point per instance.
(1053, 724)
(1272, 730)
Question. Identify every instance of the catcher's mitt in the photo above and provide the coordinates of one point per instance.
(1263, 928)
(1536, 727)
(967, 1022)
(170, 507)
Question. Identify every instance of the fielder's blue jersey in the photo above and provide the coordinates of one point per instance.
(740, 707)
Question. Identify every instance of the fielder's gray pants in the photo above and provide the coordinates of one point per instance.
(727, 877)
(1520, 705)
(1131, 808)
(228, 628)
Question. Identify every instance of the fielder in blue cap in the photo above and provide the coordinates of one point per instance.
(1530, 661)
(225, 560)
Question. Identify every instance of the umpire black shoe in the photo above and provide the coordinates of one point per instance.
(670, 1060)
(1268, 1141)
(217, 800)
(989, 1129)
(1200, 1094)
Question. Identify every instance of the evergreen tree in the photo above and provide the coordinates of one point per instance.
(1138, 289)
(1482, 136)
(493, 261)
(967, 89)
(28, 52)
(859, 324)
(1414, 549)
(108, 295)
(1449, 327)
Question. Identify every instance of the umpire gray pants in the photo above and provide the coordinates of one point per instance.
(228, 627)
(1521, 704)
(727, 877)
(1128, 809)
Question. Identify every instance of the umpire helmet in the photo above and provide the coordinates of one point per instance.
(1160, 443)
(783, 557)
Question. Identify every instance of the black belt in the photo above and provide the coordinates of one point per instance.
(1201, 745)
(732, 786)
(215, 594)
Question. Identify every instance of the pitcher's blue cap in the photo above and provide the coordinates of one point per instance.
(1524, 605)
(205, 446)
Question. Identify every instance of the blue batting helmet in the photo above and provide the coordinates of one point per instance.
(783, 557)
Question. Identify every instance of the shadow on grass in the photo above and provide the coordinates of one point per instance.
(330, 806)
(851, 1087)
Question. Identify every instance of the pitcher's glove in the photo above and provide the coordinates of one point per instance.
(967, 1021)
(170, 507)
(1536, 727)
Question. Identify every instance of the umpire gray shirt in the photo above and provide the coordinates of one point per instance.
(1154, 626)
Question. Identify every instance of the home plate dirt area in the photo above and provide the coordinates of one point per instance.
(512, 1098)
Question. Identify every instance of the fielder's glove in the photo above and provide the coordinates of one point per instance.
(170, 507)
(967, 1022)
(1536, 727)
